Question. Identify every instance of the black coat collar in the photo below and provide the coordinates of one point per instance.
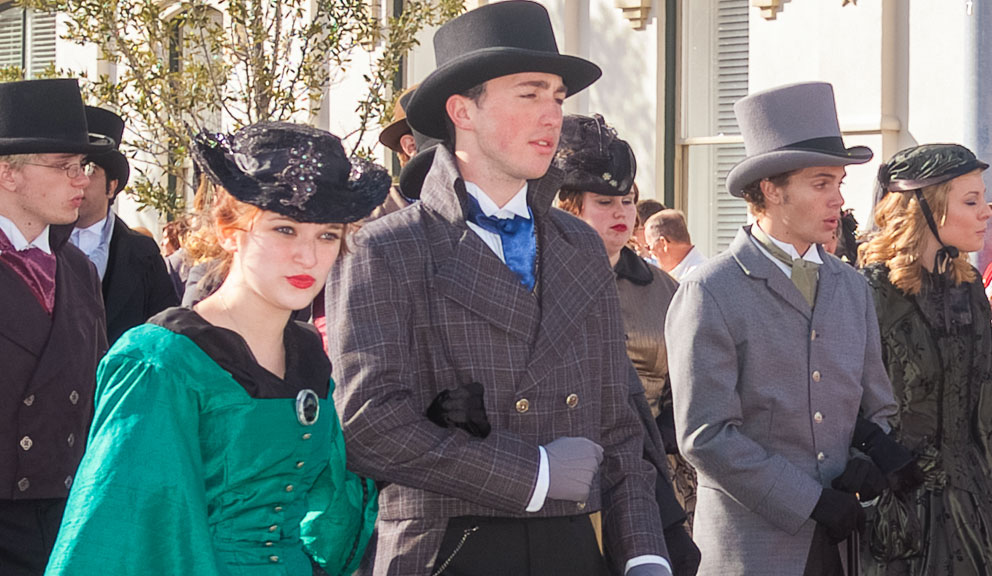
(632, 267)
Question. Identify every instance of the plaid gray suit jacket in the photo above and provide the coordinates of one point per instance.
(423, 305)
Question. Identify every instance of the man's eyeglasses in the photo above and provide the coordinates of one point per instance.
(72, 170)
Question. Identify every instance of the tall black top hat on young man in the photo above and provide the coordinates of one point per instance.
(492, 41)
(292, 169)
(593, 158)
(105, 123)
(45, 116)
(790, 128)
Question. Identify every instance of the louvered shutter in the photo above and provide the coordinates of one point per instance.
(41, 42)
(731, 85)
(11, 37)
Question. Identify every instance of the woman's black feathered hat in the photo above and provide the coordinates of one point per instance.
(292, 169)
(593, 158)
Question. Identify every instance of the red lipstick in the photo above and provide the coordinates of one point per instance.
(301, 281)
(619, 227)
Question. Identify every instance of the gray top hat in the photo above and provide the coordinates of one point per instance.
(790, 128)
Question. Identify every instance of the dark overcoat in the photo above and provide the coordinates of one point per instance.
(49, 372)
(136, 285)
(422, 305)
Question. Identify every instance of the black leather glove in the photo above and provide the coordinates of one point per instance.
(839, 512)
(682, 551)
(862, 478)
(895, 461)
(463, 407)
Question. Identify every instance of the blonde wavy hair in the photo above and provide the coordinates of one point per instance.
(902, 234)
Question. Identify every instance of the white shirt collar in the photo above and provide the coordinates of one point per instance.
(811, 255)
(517, 206)
(18, 240)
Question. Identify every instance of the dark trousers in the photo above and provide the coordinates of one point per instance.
(485, 546)
(824, 556)
(27, 534)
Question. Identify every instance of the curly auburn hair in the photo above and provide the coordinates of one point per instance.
(901, 237)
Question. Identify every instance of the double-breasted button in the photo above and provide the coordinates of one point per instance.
(273, 528)
(300, 464)
(289, 487)
(816, 375)
(812, 335)
(821, 457)
(23, 484)
(71, 440)
(818, 417)
(74, 397)
(68, 481)
(26, 443)
(307, 436)
(273, 558)
(523, 405)
(29, 400)
(572, 401)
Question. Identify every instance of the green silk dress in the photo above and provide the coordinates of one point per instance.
(187, 473)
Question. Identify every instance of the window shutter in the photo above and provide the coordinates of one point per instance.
(11, 37)
(731, 69)
(41, 53)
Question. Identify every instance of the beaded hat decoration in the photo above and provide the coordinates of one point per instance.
(295, 170)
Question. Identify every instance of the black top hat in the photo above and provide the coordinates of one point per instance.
(292, 169)
(415, 172)
(43, 117)
(106, 123)
(593, 158)
(489, 42)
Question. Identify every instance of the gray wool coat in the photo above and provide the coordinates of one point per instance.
(423, 305)
(766, 392)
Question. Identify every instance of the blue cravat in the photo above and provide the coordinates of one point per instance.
(517, 236)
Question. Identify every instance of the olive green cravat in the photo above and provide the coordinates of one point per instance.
(804, 272)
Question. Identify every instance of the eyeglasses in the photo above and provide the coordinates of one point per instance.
(72, 171)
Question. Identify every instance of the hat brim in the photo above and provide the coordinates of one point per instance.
(391, 134)
(768, 164)
(95, 144)
(115, 165)
(426, 112)
(352, 203)
(415, 172)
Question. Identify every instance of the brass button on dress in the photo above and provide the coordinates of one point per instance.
(523, 405)
(572, 401)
